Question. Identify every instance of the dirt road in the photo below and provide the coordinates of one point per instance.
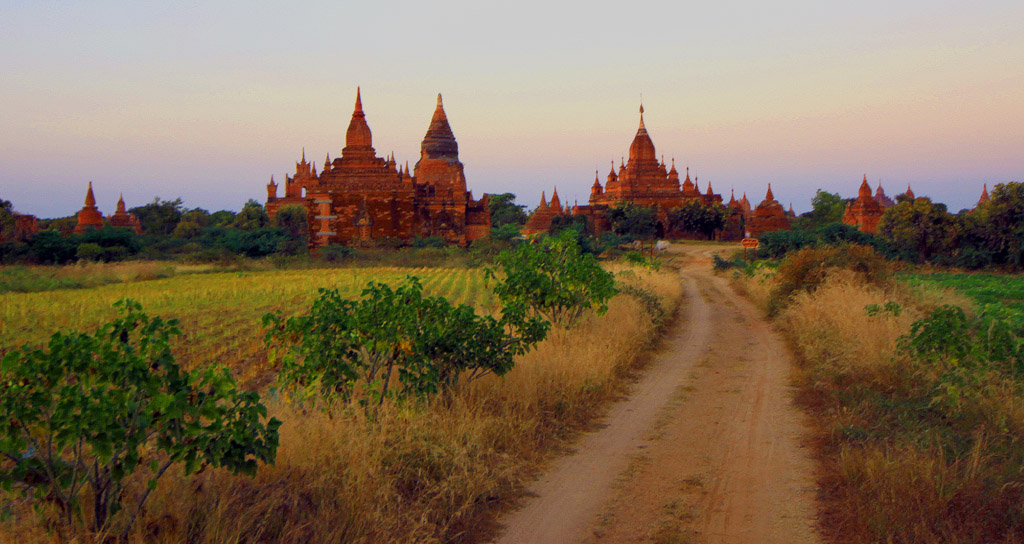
(706, 448)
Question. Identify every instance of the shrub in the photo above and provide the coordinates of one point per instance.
(553, 279)
(83, 414)
(806, 269)
(347, 349)
(89, 252)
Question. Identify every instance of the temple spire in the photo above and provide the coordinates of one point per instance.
(642, 113)
(769, 195)
(359, 103)
(90, 200)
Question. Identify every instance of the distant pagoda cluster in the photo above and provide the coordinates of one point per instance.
(644, 180)
(360, 198)
(90, 217)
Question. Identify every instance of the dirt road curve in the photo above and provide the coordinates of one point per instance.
(705, 449)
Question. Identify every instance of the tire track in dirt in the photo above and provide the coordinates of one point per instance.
(707, 448)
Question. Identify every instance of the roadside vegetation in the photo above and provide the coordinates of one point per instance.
(915, 384)
(481, 389)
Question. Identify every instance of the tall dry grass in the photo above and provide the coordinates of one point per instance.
(437, 472)
(896, 466)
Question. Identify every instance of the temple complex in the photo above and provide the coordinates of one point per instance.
(768, 216)
(644, 180)
(359, 198)
(866, 211)
(89, 217)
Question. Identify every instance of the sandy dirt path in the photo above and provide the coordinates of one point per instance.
(706, 448)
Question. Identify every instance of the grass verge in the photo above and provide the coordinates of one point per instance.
(910, 451)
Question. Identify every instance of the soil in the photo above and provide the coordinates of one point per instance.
(707, 447)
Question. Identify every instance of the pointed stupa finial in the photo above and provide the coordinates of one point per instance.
(303, 154)
(359, 101)
(440, 104)
(769, 195)
(90, 200)
(120, 203)
(641, 110)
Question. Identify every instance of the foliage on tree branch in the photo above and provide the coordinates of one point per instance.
(86, 412)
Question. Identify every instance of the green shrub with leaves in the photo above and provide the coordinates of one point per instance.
(86, 412)
(357, 349)
(552, 278)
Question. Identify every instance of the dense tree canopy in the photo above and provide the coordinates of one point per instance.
(505, 211)
(160, 216)
(632, 220)
(917, 227)
(696, 217)
(253, 216)
(826, 208)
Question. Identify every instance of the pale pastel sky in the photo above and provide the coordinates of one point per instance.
(206, 101)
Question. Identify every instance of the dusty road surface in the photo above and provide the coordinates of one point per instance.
(706, 448)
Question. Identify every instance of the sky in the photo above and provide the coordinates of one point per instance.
(205, 101)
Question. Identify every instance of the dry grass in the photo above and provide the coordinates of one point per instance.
(415, 473)
(895, 466)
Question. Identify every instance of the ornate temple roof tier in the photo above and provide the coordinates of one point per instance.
(439, 142)
(359, 197)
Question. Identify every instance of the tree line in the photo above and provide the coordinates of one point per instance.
(919, 230)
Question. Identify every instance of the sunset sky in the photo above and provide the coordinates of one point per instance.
(207, 102)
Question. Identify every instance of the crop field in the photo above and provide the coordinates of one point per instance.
(220, 313)
(985, 289)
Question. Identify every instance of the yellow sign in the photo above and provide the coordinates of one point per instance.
(750, 243)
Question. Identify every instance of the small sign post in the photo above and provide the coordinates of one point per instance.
(748, 243)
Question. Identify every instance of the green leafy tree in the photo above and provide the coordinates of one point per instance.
(352, 349)
(187, 229)
(7, 220)
(87, 411)
(198, 216)
(253, 216)
(694, 216)
(640, 222)
(506, 232)
(552, 278)
(159, 216)
(223, 217)
(295, 220)
(917, 228)
(505, 211)
(826, 208)
(50, 247)
(1002, 219)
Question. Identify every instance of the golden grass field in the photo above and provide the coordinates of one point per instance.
(896, 466)
(433, 472)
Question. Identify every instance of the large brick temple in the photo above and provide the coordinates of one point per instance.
(643, 180)
(361, 199)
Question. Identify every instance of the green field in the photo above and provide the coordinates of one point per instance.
(987, 290)
(220, 312)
